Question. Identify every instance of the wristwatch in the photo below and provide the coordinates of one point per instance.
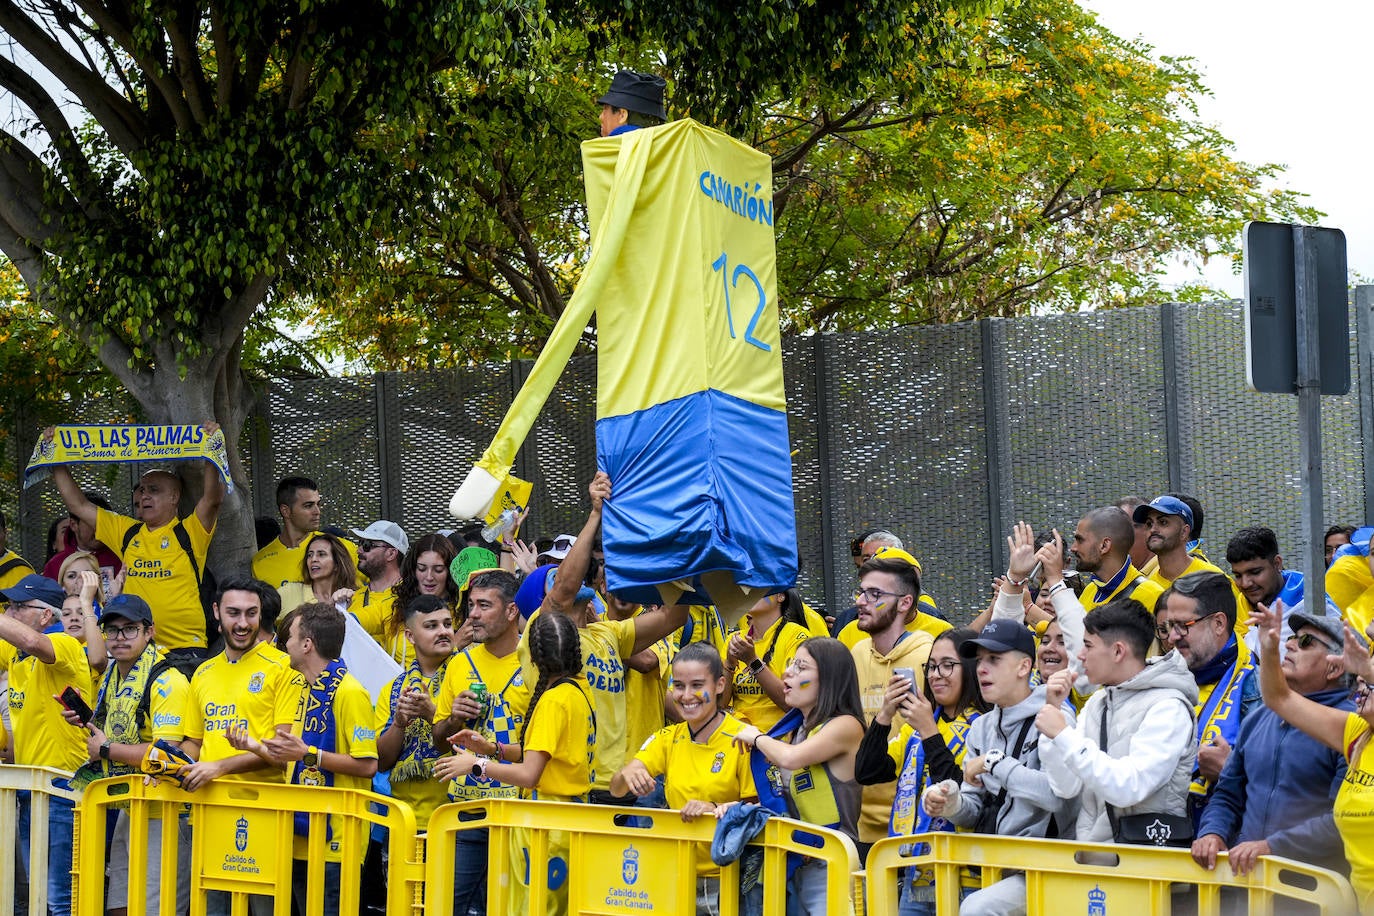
(312, 756)
(479, 767)
(756, 666)
(990, 760)
(105, 750)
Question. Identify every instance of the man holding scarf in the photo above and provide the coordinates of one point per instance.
(337, 745)
(1197, 616)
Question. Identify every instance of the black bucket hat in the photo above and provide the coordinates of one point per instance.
(640, 92)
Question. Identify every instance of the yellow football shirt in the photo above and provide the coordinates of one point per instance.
(751, 703)
(159, 571)
(715, 771)
(20, 570)
(276, 564)
(1354, 802)
(259, 691)
(374, 610)
(561, 726)
(41, 736)
(509, 696)
(412, 776)
(355, 735)
(605, 645)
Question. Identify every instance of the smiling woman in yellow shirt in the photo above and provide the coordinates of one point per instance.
(704, 770)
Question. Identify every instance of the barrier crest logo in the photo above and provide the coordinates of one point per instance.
(241, 833)
(1158, 832)
(629, 866)
(1097, 901)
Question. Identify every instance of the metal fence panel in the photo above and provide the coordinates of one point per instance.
(443, 421)
(907, 451)
(807, 422)
(327, 429)
(1085, 415)
(1239, 448)
(559, 456)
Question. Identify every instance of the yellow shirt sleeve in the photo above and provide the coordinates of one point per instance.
(353, 721)
(169, 702)
(1355, 728)
(288, 706)
(562, 728)
(654, 753)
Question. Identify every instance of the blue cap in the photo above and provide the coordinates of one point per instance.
(131, 607)
(1164, 505)
(532, 591)
(34, 587)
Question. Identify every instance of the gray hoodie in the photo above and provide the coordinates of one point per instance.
(1030, 801)
(1147, 761)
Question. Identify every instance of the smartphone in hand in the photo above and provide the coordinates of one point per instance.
(71, 699)
(909, 674)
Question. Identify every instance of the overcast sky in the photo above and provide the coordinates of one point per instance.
(1288, 87)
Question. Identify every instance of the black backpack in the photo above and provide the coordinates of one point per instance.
(13, 563)
(205, 579)
(145, 702)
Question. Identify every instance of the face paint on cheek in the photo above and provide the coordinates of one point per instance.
(804, 683)
(701, 695)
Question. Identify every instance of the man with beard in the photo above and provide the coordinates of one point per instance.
(1101, 548)
(1196, 616)
(887, 600)
(249, 689)
(406, 707)
(487, 725)
(381, 547)
(1170, 521)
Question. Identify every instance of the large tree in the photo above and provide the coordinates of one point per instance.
(1022, 160)
(172, 169)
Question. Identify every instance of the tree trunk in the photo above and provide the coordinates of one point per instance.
(214, 389)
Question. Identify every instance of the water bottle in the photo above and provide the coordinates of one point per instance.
(504, 524)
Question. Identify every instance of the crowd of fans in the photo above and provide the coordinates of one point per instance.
(1118, 687)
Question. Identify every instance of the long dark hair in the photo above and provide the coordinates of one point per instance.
(345, 574)
(408, 586)
(837, 681)
(970, 694)
(556, 651)
(789, 611)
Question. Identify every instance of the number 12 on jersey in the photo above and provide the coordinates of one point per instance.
(726, 281)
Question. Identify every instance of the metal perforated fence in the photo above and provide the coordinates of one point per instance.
(946, 435)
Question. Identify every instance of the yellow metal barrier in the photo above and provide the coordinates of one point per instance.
(1063, 876)
(242, 835)
(622, 860)
(38, 781)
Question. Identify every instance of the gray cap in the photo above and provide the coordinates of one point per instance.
(1332, 627)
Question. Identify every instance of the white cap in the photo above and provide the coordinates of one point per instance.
(561, 545)
(386, 532)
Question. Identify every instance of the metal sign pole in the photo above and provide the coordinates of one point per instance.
(1309, 414)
